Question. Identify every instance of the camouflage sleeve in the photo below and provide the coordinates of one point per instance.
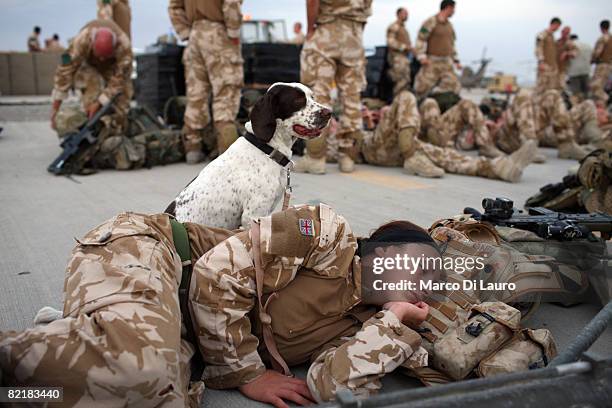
(392, 40)
(382, 345)
(233, 17)
(599, 47)
(222, 295)
(454, 54)
(420, 48)
(539, 46)
(121, 71)
(70, 62)
(523, 113)
(105, 9)
(407, 111)
(178, 17)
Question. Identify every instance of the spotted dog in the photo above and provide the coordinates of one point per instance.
(249, 179)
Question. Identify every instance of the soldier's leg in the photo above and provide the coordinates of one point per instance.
(449, 82)
(399, 72)
(225, 71)
(436, 131)
(197, 116)
(425, 79)
(471, 116)
(349, 364)
(90, 83)
(553, 113)
(584, 121)
(598, 82)
(547, 78)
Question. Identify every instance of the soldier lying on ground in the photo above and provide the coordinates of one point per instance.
(393, 142)
(98, 63)
(545, 118)
(121, 339)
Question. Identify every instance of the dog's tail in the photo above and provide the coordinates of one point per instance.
(171, 209)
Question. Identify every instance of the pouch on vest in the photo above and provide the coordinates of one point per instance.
(460, 350)
(529, 349)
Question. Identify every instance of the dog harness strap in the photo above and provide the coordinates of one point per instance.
(272, 153)
(181, 244)
(278, 363)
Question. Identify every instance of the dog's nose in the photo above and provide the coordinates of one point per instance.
(325, 114)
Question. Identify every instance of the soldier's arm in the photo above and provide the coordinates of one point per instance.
(70, 62)
(539, 48)
(454, 53)
(233, 17)
(121, 70)
(178, 17)
(599, 47)
(392, 40)
(312, 14)
(420, 48)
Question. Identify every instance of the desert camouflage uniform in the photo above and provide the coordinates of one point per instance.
(567, 50)
(547, 54)
(119, 342)
(602, 57)
(34, 43)
(443, 129)
(518, 123)
(335, 54)
(440, 68)
(213, 64)
(552, 119)
(97, 81)
(308, 258)
(118, 11)
(399, 45)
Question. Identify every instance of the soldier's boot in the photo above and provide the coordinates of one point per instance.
(510, 168)
(308, 164)
(226, 135)
(193, 146)
(194, 157)
(571, 150)
(345, 162)
(490, 151)
(591, 133)
(419, 164)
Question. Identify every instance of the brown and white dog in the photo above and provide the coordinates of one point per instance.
(248, 180)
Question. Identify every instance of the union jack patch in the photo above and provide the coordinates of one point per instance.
(307, 227)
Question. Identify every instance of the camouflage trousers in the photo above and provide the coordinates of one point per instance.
(90, 82)
(443, 129)
(518, 123)
(399, 71)
(335, 54)
(547, 78)
(452, 161)
(552, 119)
(598, 82)
(119, 342)
(438, 73)
(213, 69)
(581, 114)
(394, 138)
(359, 362)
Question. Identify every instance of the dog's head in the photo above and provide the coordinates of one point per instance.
(289, 108)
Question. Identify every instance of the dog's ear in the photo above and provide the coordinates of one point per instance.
(263, 117)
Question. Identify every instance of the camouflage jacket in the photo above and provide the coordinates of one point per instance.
(80, 52)
(183, 13)
(421, 45)
(602, 53)
(310, 247)
(398, 38)
(546, 49)
(354, 10)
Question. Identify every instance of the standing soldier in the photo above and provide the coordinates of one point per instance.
(99, 63)
(567, 50)
(602, 58)
(34, 41)
(333, 51)
(435, 50)
(213, 65)
(399, 46)
(547, 55)
(119, 11)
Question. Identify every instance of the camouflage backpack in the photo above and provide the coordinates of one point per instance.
(162, 146)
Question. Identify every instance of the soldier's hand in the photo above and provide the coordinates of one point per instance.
(54, 109)
(235, 41)
(310, 33)
(275, 388)
(424, 61)
(93, 108)
(411, 314)
(458, 66)
(541, 66)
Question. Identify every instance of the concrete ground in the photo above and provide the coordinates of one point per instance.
(40, 214)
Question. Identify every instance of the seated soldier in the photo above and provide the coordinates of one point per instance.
(99, 64)
(121, 339)
(545, 118)
(394, 142)
(443, 129)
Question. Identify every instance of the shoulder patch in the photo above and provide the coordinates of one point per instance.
(423, 30)
(106, 1)
(307, 227)
(66, 58)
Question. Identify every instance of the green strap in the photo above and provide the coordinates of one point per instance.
(181, 244)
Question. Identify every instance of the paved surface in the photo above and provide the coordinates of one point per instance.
(41, 213)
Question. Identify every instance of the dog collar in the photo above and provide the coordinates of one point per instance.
(272, 153)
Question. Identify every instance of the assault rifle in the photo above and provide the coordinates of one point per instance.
(76, 142)
(542, 221)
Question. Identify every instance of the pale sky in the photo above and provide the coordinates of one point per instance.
(507, 28)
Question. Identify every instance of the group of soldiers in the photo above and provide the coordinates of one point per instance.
(51, 44)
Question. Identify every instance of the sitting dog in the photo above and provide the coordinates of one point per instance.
(249, 179)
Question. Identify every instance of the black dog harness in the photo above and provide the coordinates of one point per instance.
(271, 152)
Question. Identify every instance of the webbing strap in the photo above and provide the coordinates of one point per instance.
(181, 244)
(278, 362)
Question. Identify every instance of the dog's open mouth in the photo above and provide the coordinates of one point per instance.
(307, 132)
